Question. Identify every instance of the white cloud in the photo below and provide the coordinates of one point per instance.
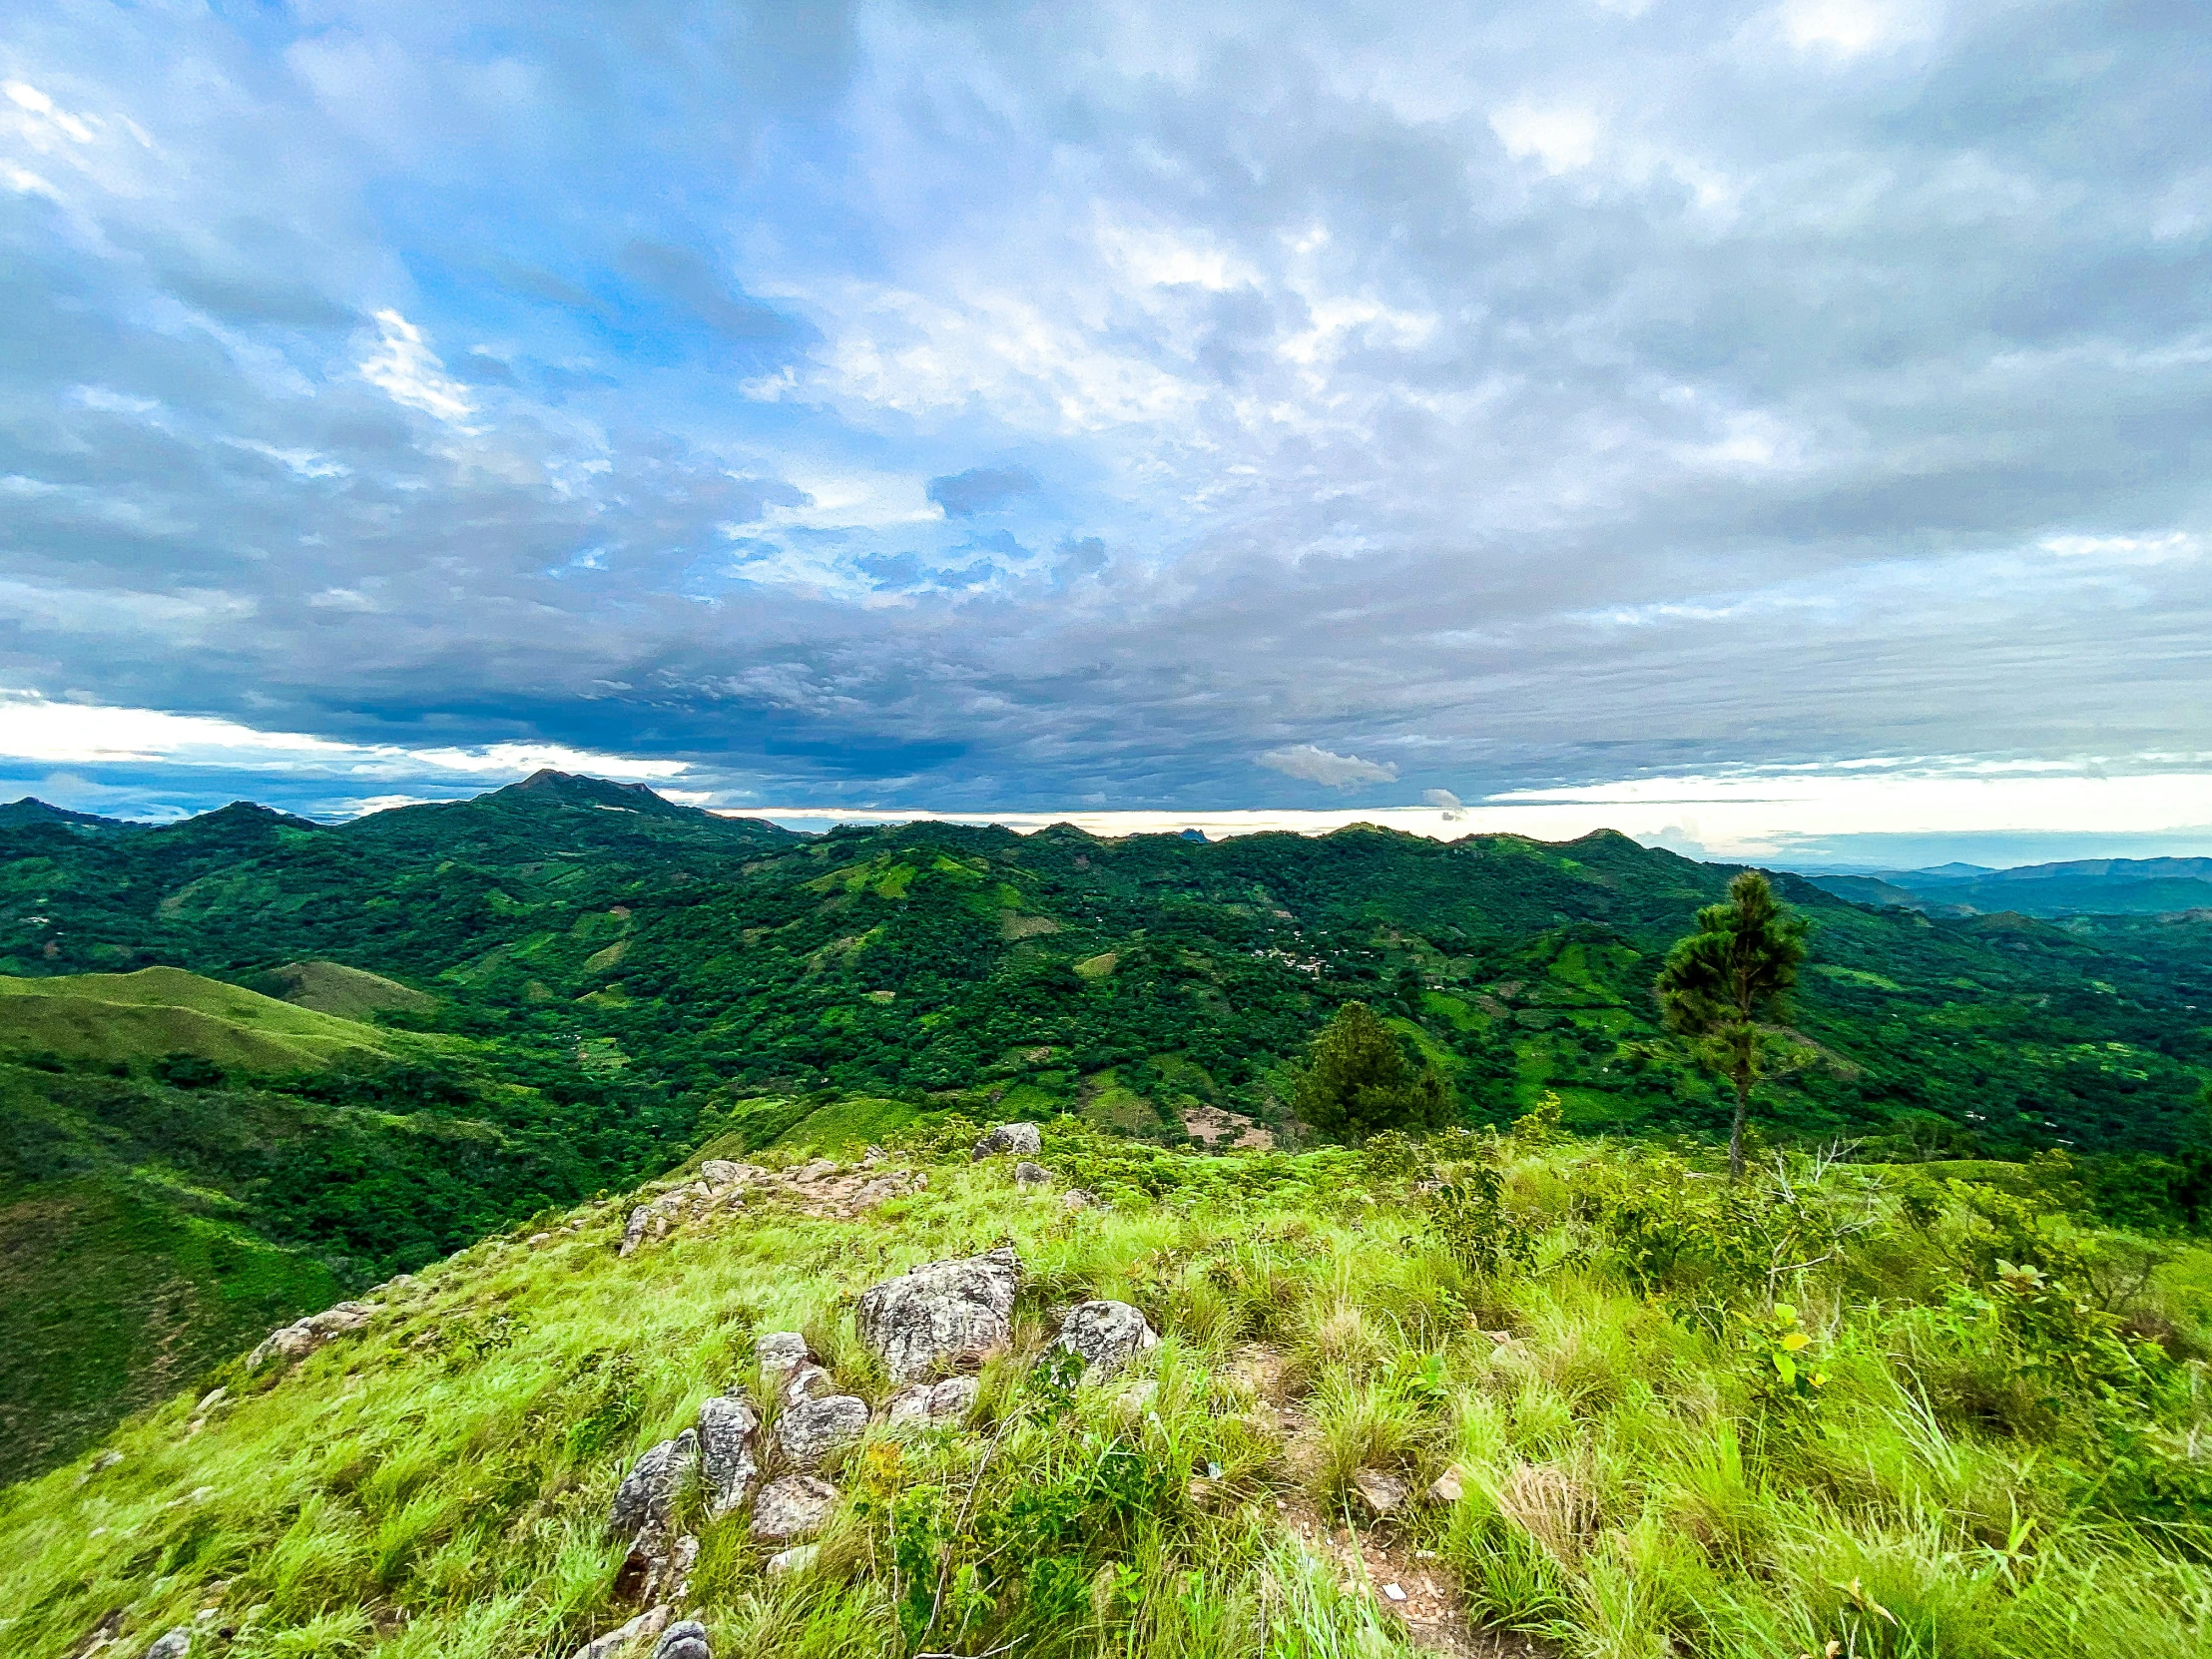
(2172, 547)
(406, 368)
(34, 729)
(1321, 766)
(1851, 28)
(1561, 139)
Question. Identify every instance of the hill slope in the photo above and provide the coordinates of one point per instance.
(1577, 1396)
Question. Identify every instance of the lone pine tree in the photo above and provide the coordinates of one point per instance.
(1725, 985)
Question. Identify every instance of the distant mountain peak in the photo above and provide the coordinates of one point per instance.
(575, 789)
(31, 810)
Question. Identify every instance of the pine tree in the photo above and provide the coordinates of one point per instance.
(1360, 1082)
(1726, 985)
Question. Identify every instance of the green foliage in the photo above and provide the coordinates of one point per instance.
(1360, 1082)
(1723, 986)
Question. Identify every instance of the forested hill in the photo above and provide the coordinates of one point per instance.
(699, 955)
(248, 1061)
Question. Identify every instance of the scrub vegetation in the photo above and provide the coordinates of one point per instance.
(1635, 1409)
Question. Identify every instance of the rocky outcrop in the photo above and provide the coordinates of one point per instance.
(176, 1644)
(941, 1314)
(1104, 1335)
(646, 1496)
(1027, 1174)
(616, 1641)
(1022, 1139)
(791, 1507)
(727, 1461)
(810, 1430)
(926, 1405)
(303, 1337)
(685, 1639)
(823, 1189)
(789, 1370)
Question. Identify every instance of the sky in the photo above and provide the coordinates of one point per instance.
(1767, 428)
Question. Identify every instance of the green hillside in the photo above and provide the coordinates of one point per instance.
(1472, 1396)
(378, 1040)
(134, 1019)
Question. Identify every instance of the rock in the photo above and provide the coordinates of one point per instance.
(633, 1229)
(779, 1354)
(1396, 1592)
(303, 1337)
(809, 1382)
(942, 1312)
(810, 1430)
(1447, 1487)
(1105, 1333)
(796, 1559)
(658, 1569)
(537, 1241)
(651, 1622)
(647, 1495)
(727, 1458)
(723, 1172)
(1020, 1138)
(173, 1645)
(684, 1640)
(926, 1404)
(210, 1400)
(791, 1507)
(1381, 1492)
(1027, 1174)
(1077, 1199)
(819, 1170)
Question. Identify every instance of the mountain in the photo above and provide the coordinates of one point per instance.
(1469, 1397)
(31, 811)
(564, 985)
(2085, 887)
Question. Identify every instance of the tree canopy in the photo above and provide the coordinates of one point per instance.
(1360, 1080)
(1724, 986)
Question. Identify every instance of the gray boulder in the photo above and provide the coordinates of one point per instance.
(633, 1229)
(791, 1507)
(648, 1623)
(810, 1430)
(303, 1337)
(173, 1645)
(1027, 1174)
(942, 1313)
(727, 1458)
(646, 1496)
(924, 1404)
(1105, 1334)
(779, 1354)
(1022, 1139)
(798, 1558)
(685, 1639)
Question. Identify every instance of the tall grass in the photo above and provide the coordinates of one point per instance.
(1636, 1475)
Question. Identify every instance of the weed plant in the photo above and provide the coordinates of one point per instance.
(1830, 1405)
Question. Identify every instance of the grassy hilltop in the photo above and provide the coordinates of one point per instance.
(1632, 1411)
(249, 1063)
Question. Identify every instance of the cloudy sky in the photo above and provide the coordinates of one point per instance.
(1774, 425)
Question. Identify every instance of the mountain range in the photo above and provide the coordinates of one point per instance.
(247, 1060)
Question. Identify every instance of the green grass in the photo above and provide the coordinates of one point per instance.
(136, 1018)
(348, 993)
(1984, 1474)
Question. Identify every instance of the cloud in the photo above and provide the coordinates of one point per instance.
(981, 489)
(1453, 808)
(1553, 409)
(405, 367)
(1321, 765)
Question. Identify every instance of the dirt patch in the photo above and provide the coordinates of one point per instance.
(1216, 1128)
(1406, 1583)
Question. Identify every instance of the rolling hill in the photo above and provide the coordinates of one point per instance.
(474, 1009)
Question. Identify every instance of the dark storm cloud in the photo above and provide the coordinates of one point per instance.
(1478, 397)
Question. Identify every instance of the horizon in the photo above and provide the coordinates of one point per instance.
(1544, 825)
(1755, 424)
